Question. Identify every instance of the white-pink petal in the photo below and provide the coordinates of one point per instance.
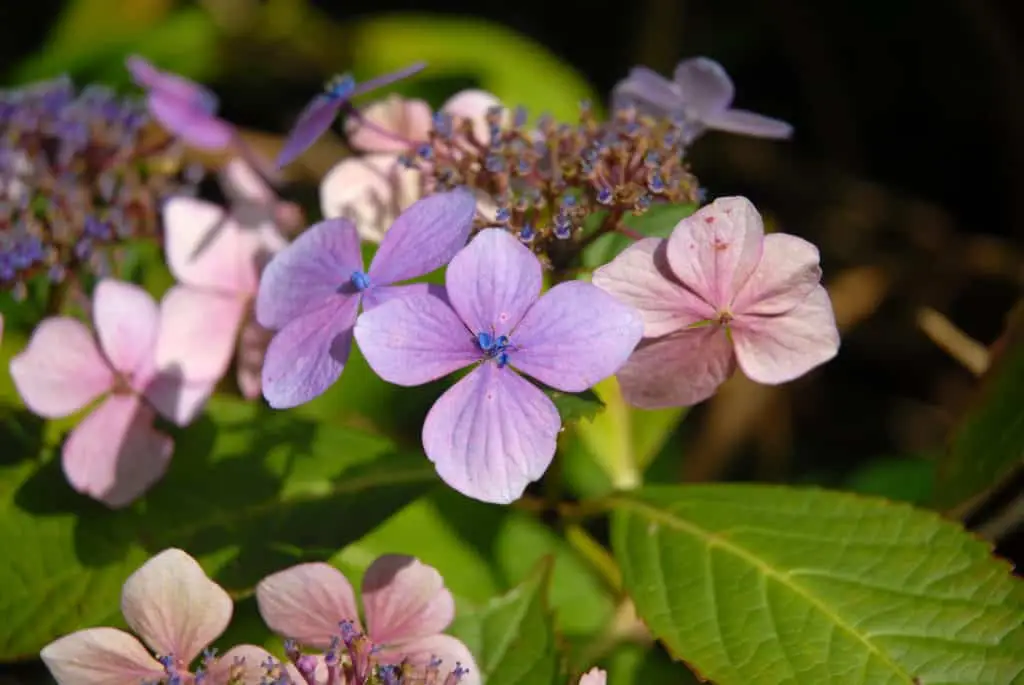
(594, 676)
(640, 276)
(241, 665)
(778, 349)
(407, 120)
(100, 656)
(61, 370)
(174, 607)
(714, 251)
(678, 370)
(198, 332)
(127, 322)
(115, 454)
(241, 184)
(307, 602)
(473, 105)
(786, 275)
(405, 599)
(177, 399)
(371, 191)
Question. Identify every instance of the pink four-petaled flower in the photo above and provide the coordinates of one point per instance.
(716, 293)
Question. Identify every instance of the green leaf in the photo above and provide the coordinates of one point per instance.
(988, 444)
(656, 222)
(767, 584)
(513, 636)
(515, 69)
(481, 550)
(905, 479)
(249, 491)
(621, 440)
(634, 664)
(573, 406)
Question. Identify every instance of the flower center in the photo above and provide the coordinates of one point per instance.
(724, 318)
(494, 347)
(340, 87)
(359, 280)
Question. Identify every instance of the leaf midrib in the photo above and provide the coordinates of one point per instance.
(728, 545)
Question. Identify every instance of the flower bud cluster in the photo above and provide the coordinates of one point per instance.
(80, 171)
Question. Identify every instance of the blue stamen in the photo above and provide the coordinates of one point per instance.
(502, 359)
(341, 87)
(360, 280)
(485, 341)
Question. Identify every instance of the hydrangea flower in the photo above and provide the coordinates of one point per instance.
(217, 257)
(406, 605)
(320, 113)
(114, 454)
(182, 106)
(594, 676)
(716, 293)
(700, 93)
(311, 291)
(494, 432)
(177, 611)
(372, 189)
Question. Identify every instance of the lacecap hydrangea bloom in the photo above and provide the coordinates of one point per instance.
(312, 290)
(719, 292)
(494, 432)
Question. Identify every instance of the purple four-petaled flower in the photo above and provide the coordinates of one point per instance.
(700, 94)
(494, 432)
(310, 292)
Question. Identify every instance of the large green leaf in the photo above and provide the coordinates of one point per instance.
(249, 491)
(770, 584)
(988, 443)
(513, 636)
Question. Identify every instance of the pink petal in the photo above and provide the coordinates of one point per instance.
(241, 665)
(594, 676)
(472, 105)
(198, 332)
(786, 275)
(749, 123)
(405, 119)
(714, 251)
(310, 274)
(422, 651)
(127, 321)
(307, 356)
(306, 603)
(491, 434)
(100, 656)
(241, 184)
(405, 599)
(195, 126)
(61, 370)
(424, 237)
(574, 336)
(415, 339)
(679, 370)
(252, 349)
(174, 607)
(493, 281)
(370, 191)
(640, 276)
(115, 455)
(705, 86)
(777, 349)
(208, 249)
(177, 399)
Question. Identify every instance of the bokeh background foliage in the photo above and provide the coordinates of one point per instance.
(251, 490)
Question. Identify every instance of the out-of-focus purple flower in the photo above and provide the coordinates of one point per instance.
(319, 114)
(407, 608)
(700, 93)
(114, 455)
(719, 291)
(494, 432)
(183, 107)
(177, 611)
(311, 291)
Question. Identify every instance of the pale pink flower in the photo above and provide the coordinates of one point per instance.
(114, 455)
(373, 189)
(406, 607)
(594, 676)
(719, 291)
(217, 257)
(177, 611)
